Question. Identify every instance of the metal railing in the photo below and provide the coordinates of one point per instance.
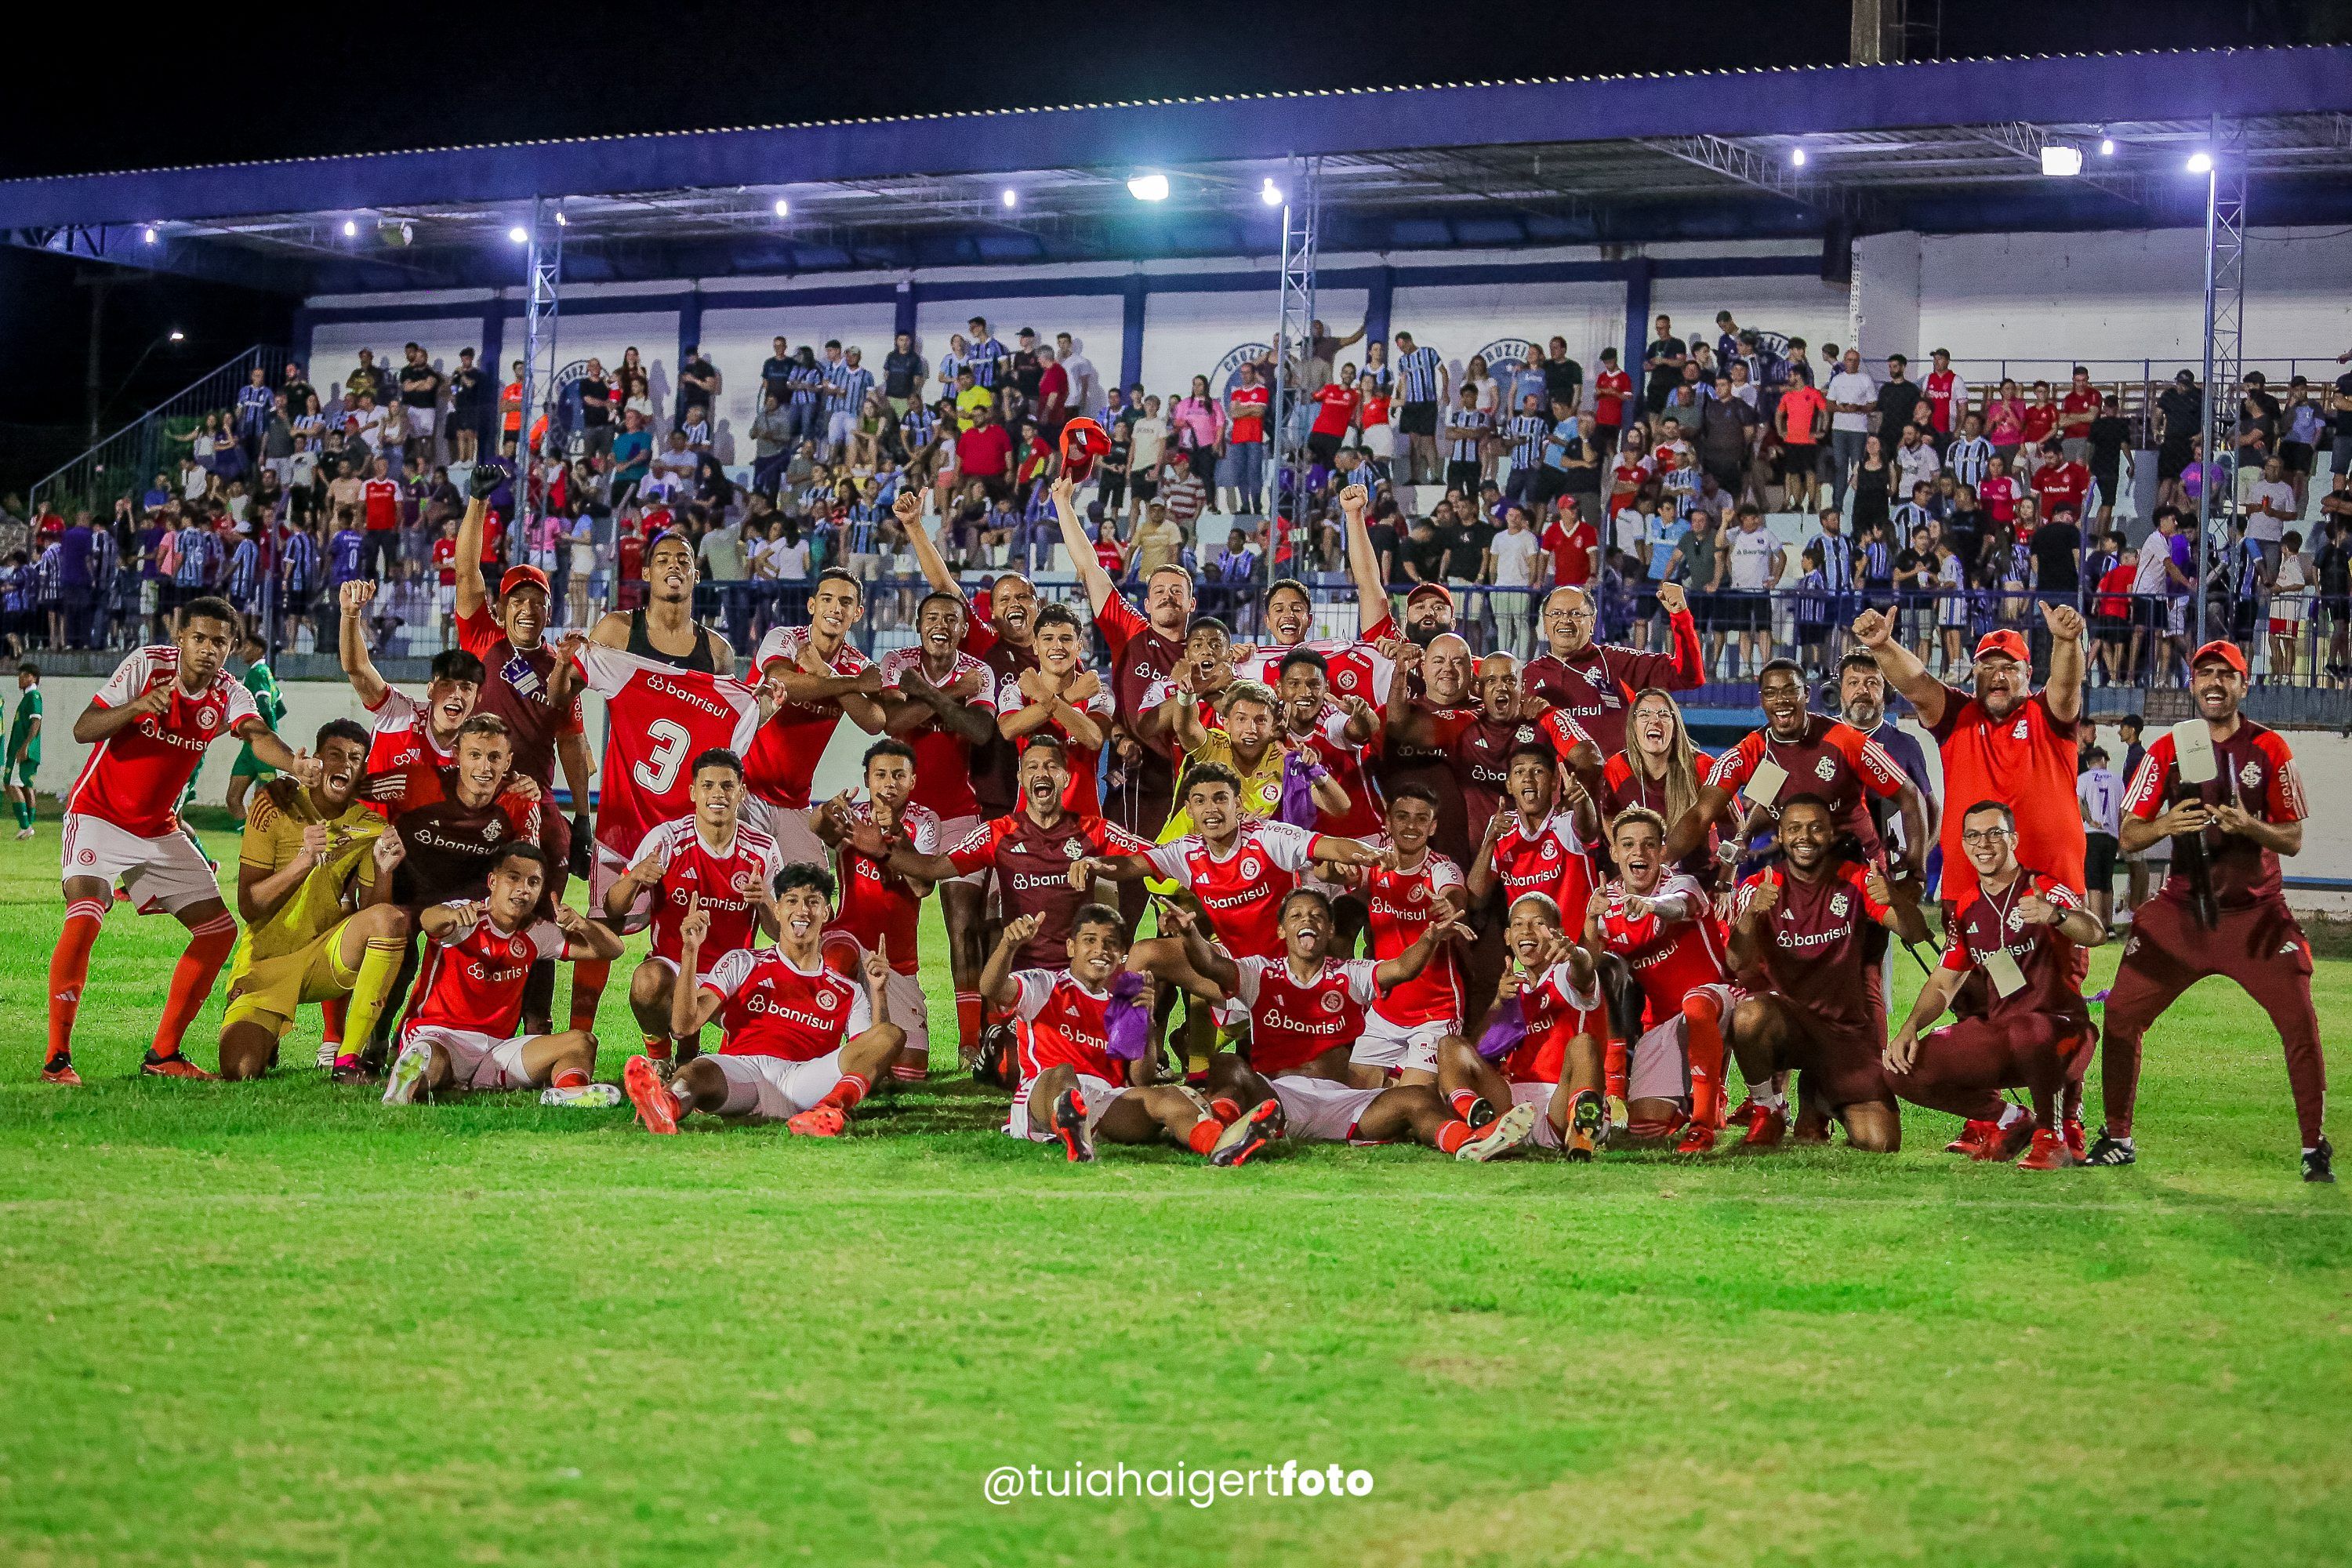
(121, 464)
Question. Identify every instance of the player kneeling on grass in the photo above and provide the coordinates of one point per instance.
(1542, 1047)
(314, 884)
(709, 861)
(1083, 1033)
(459, 1032)
(2022, 929)
(799, 1043)
(1805, 945)
(1306, 1009)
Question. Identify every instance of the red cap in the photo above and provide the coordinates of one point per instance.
(2005, 642)
(1083, 441)
(523, 577)
(2228, 652)
(1440, 589)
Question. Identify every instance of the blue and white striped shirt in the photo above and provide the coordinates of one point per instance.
(807, 383)
(857, 536)
(915, 426)
(245, 574)
(253, 407)
(1464, 429)
(1526, 431)
(846, 386)
(951, 364)
(1837, 558)
(199, 557)
(1967, 457)
(1417, 375)
(301, 564)
(987, 358)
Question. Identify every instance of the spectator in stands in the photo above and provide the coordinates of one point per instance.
(1726, 436)
(2076, 412)
(771, 441)
(1085, 393)
(2269, 508)
(699, 382)
(2004, 422)
(1916, 459)
(903, 373)
(1423, 387)
(1798, 422)
(1898, 402)
(1662, 366)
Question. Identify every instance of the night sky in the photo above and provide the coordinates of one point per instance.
(224, 86)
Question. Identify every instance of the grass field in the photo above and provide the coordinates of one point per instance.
(279, 1324)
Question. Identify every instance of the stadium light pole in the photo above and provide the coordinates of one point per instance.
(1294, 332)
(543, 265)
(2224, 164)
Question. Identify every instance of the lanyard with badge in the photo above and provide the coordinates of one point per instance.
(1999, 965)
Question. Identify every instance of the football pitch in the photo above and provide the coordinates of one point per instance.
(280, 1323)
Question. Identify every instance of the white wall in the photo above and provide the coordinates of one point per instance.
(1459, 320)
(1185, 335)
(335, 347)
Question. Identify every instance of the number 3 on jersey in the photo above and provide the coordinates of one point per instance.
(657, 769)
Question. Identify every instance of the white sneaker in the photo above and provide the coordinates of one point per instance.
(327, 1054)
(24, 833)
(591, 1095)
(1500, 1136)
(407, 1072)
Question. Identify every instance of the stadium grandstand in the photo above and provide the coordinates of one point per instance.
(2002, 292)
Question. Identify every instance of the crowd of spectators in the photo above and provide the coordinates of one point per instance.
(1954, 506)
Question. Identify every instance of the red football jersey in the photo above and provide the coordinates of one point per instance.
(1356, 668)
(1293, 1022)
(876, 904)
(660, 719)
(1817, 955)
(722, 879)
(783, 755)
(1033, 871)
(943, 761)
(381, 498)
(772, 1009)
(472, 976)
(2041, 953)
(1832, 760)
(1551, 860)
(403, 757)
(1083, 795)
(1555, 1012)
(2258, 772)
(1060, 1022)
(1610, 388)
(134, 777)
(1669, 958)
(1400, 903)
(1242, 893)
(2027, 759)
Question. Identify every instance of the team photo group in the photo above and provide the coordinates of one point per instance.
(1197, 891)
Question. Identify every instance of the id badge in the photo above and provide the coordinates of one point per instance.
(523, 677)
(2001, 969)
(1763, 786)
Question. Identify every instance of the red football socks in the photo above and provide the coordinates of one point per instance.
(1462, 1101)
(968, 1022)
(69, 969)
(848, 1093)
(570, 1077)
(1204, 1134)
(209, 945)
(1452, 1135)
(1613, 1069)
(332, 1011)
(1226, 1112)
(588, 980)
(656, 1045)
(1704, 1014)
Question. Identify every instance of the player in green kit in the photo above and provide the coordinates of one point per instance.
(25, 747)
(260, 681)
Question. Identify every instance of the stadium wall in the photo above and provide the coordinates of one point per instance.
(2038, 300)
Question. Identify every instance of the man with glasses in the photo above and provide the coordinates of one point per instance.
(1595, 682)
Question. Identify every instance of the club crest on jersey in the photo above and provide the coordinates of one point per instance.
(828, 999)
(1838, 904)
(1525, 734)
(517, 947)
(1250, 869)
(2016, 920)
(490, 832)
(1826, 769)
(1333, 1002)
(2020, 733)
(1347, 682)
(742, 882)
(1551, 849)
(1417, 893)
(1074, 848)
(207, 716)
(2250, 774)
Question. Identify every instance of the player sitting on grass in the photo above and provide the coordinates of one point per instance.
(799, 1043)
(1306, 1009)
(1084, 1039)
(459, 1035)
(1804, 946)
(1547, 1058)
(1662, 923)
(2023, 929)
(710, 861)
(147, 729)
(314, 877)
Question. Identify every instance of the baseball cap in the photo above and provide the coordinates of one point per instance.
(2007, 643)
(2228, 652)
(1440, 589)
(1083, 441)
(524, 576)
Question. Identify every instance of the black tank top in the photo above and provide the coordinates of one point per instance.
(703, 659)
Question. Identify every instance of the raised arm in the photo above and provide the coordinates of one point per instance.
(908, 509)
(996, 976)
(691, 1006)
(1905, 673)
(472, 592)
(1209, 960)
(1081, 549)
(359, 667)
(1363, 563)
(1391, 973)
(1714, 802)
(2063, 690)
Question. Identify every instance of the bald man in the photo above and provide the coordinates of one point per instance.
(1593, 682)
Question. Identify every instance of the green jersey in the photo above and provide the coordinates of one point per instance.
(267, 696)
(23, 736)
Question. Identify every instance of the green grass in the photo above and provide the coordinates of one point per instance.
(279, 1324)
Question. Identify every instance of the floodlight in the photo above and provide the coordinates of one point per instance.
(563, 222)
(2106, 146)
(1797, 156)
(784, 207)
(2060, 160)
(518, 234)
(350, 228)
(1148, 187)
(179, 337)
(1010, 197)
(2200, 163)
(148, 233)
(1270, 194)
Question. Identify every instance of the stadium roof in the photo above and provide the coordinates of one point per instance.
(1941, 146)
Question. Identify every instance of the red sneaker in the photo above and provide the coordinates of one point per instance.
(657, 1106)
(1698, 1138)
(59, 1069)
(1244, 1139)
(1070, 1127)
(173, 1065)
(819, 1122)
(2071, 1129)
(2006, 1143)
(2049, 1152)
(1972, 1137)
(1767, 1125)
